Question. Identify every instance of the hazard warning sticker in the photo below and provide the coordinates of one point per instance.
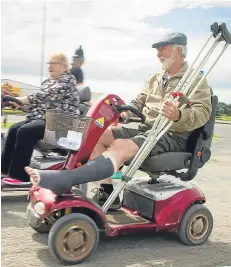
(100, 122)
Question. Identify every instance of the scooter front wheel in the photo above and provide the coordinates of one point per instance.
(196, 225)
(73, 238)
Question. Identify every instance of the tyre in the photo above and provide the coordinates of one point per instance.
(73, 238)
(196, 225)
(43, 228)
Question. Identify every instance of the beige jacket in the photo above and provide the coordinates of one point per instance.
(150, 99)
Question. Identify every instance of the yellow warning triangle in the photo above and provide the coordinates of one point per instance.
(101, 120)
(106, 101)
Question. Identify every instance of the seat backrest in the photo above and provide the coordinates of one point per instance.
(84, 93)
(199, 144)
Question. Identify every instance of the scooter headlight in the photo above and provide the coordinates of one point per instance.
(39, 207)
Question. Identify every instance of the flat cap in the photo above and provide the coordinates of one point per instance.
(172, 38)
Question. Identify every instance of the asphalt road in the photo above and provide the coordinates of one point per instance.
(21, 246)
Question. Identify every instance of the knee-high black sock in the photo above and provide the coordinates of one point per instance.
(61, 181)
(108, 188)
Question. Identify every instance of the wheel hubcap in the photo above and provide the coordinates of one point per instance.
(74, 240)
(199, 226)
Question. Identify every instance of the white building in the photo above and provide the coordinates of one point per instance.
(26, 89)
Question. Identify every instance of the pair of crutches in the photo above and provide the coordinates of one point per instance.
(161, 125)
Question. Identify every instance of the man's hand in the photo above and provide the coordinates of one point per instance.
(125, 117)
(170, 111)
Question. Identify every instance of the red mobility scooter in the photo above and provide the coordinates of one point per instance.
(165, 201)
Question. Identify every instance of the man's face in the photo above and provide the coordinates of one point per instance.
(56, 68)
(77, 62)
(167, 55)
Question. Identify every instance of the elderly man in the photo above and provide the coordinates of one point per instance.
(118, 145)
(57, 92)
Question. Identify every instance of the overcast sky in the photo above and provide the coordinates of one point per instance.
(116, 36)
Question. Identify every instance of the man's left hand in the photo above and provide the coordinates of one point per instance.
(170, 111)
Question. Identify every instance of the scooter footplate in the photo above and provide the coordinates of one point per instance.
(123, 217)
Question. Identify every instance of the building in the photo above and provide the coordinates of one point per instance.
(24, 89)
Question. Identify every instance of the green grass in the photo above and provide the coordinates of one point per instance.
(224, 118)
(8, 124)
(13, 112)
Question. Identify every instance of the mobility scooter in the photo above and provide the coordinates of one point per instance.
(165, 201)
(45, 156)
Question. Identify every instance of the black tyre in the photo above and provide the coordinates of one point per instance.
(196, 225)
(43, 228)
(73, 238)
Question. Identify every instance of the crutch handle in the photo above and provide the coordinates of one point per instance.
(225, 33)
(215, 29)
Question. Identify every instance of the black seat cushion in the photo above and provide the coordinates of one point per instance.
(42, 146)
(164, 162)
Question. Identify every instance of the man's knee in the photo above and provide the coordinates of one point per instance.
(125, 148)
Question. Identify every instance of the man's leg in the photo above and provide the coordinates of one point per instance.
(8, 149)
(106, 185)
(97, 169)
(27, 136)
(169, 142)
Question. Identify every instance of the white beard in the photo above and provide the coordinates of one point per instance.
(168, 62)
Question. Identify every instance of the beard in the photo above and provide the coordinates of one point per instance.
(167, 63)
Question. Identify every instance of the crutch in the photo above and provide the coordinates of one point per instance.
(162, 124)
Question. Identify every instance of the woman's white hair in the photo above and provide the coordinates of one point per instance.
(183, 49)
(62, 58)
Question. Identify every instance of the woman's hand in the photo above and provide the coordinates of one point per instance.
(23, 99)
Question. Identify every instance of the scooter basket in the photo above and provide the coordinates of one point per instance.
(65, 130)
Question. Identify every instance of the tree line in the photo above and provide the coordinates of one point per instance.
(223, 109)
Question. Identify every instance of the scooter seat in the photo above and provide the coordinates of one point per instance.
(42, 146)
(165, 162)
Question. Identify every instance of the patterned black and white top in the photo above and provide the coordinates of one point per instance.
(59, 94)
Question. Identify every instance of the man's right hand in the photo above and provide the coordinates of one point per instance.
(125, 117)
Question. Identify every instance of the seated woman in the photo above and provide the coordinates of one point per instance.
(59, 91)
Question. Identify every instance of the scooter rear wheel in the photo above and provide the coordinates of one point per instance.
(73, 238)
(196, 225)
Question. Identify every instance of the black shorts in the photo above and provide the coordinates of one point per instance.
(169, 142)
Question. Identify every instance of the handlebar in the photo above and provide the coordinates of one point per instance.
(133, 110)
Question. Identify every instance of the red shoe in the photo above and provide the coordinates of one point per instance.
(12, 181)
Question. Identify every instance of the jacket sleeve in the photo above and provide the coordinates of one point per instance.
(61, 89)
(199, 111)
(139, 101)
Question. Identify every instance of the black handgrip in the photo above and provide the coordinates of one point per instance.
(134, 119)
(133, 110)
(225, 33)
(215, 29)
(7, 98)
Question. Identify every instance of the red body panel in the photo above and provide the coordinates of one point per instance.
(103, 108)
(167, 214)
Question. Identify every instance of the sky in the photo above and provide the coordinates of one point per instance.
(116, 36)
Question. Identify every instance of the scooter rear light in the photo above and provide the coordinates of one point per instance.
(40, 208)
